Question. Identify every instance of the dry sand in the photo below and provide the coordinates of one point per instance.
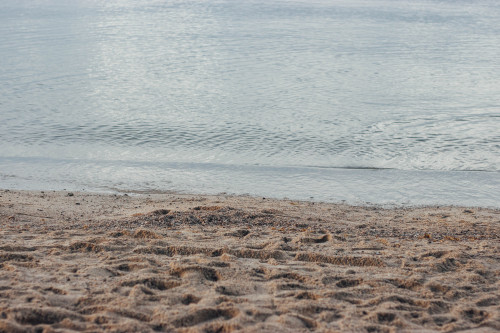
(182, 263)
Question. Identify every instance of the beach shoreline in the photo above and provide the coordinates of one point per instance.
(203, 263)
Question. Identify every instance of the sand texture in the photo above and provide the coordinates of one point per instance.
(186, 263)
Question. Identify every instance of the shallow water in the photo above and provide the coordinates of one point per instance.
(388, 102)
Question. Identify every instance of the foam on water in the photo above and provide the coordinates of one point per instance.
(380, 101)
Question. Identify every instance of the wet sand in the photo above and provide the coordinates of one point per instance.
(190, 263)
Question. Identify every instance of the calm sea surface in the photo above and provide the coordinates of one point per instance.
(378, 101)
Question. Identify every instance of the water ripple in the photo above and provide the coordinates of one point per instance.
(408, 85)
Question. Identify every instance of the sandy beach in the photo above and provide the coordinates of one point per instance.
(191, 263)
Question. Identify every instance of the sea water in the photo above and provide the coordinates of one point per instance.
(375, 101)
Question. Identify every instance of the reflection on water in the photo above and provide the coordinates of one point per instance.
(403, 85)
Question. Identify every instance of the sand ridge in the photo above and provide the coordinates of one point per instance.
(189, 263)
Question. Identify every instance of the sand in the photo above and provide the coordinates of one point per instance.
(190, 263)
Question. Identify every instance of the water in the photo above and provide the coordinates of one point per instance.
(386, 102)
